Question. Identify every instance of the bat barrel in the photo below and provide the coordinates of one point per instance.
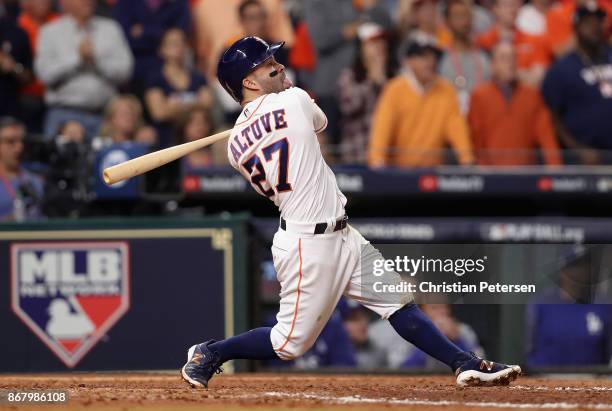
(148, 162)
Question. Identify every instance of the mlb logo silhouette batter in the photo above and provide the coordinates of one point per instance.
(70, 294)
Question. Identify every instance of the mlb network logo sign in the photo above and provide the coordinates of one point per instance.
(70, 294)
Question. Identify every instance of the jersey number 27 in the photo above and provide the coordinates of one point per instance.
(254, 167)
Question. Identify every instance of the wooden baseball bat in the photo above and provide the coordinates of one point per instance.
(148, 162)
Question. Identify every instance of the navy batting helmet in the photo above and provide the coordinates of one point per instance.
(240, 59)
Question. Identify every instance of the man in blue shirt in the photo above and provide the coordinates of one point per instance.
(20, 191)
(569, 324)
(578, 89)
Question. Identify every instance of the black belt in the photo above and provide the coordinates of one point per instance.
(320, 228)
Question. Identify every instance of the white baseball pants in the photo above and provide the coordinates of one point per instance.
(314, 271)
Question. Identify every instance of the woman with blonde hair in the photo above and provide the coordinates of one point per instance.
(123, 122)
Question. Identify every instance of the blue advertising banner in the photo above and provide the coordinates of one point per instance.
(113, 155)
(111, 299)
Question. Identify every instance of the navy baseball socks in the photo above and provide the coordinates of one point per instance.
(252, 345)
(414, 326)
(204, 360)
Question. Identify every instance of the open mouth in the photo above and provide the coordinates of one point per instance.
(286, 82)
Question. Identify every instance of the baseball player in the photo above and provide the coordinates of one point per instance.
(316, 253)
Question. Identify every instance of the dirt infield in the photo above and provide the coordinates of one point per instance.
(163, 391)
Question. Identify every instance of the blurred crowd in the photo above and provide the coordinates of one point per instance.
(567, 323)
(353, 338)
(404, 83)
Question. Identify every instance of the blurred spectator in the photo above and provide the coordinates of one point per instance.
(531, 18)
(333, 348)
(216, 21)
(193, 125)
(532, 55)
(105, 7)
(462, 63)
(34, 13)
(400, 353)
(144, 22)
(417, 114)
(578, 89)
(174, 88)
(483, 18)
(302, 56)
(567, 325)
(123, 122)
(72, 131)
(10, 8)
(569, 334)
(385, 338)
(508, 120)
(21, 191)
(560, 23)
(15, 66)
(459, 333)
(358, 89)
(427, 24)
(253, 22)
(356, 322)
(81, 60)
(333, 28)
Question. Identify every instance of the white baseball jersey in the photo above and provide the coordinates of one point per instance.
(274, 146)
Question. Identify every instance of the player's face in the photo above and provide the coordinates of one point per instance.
(269, 77)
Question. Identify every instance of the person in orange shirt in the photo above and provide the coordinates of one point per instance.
(509, 120)
(418, 116)
(35, 13)
(560, 28)
(532, 55)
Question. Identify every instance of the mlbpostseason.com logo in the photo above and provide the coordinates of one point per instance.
(70, 294)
